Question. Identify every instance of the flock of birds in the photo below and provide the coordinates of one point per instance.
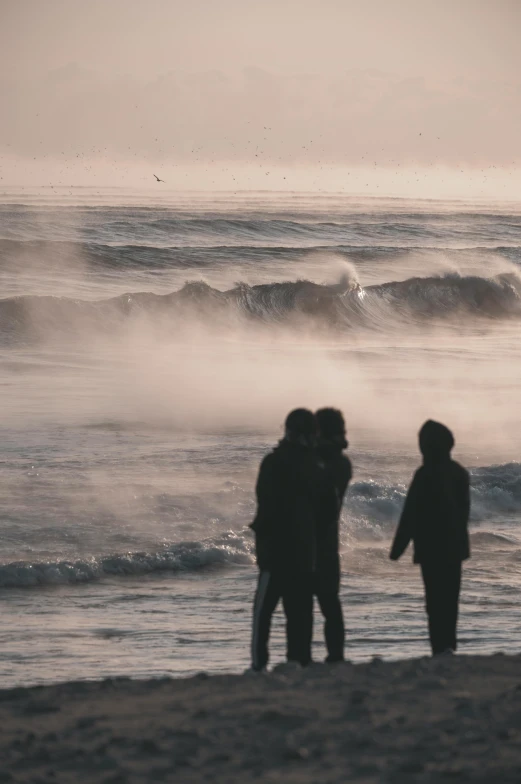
(264, 158)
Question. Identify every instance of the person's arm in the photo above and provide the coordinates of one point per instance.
(347, 475)
(463, 514)
(466, 497)
(405, 527)
(264, 523)
(265, 492)
(340, 473)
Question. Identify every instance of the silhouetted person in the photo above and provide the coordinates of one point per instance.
(435, 516)
(337, 466)
(284, 529)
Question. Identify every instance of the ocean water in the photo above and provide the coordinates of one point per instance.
(150, 348)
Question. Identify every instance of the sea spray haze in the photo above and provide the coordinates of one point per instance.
(149, 354)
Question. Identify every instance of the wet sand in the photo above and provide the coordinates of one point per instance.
(423, 720)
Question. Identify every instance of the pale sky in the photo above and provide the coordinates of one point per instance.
(259, 85)
(472, 39)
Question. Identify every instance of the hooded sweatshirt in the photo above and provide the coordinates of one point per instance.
(436, 511)
(288, 488)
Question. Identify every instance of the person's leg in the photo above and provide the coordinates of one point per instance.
(297, 598)
(434, 606)
(452, 602)
(334, 632)
(267, 597)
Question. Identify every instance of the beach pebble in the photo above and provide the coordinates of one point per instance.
(506, 734)
(41, 707)
(116, 778)
(297, 753)
(433, 683)
(149, 746)
(358, 696)
(86, 722)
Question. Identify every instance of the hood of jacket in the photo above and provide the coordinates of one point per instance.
(436, 442)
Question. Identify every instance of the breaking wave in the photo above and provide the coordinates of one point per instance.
(370, 506)
(370, 511)
(229, 548)
(344, 305)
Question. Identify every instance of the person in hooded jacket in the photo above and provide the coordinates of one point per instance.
(435, 516)
(338, 472)
(284, 526)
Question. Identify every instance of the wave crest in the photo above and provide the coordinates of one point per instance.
(229, 548)
(344, 305)
(371, 509)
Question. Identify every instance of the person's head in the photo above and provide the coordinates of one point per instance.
(331, 426)
(436, 441)
(301, 427)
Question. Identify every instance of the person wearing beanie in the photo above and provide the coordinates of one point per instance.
(338, 472)
(284, 526)
(435, 516)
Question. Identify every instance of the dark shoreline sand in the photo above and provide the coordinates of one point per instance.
(446, 719)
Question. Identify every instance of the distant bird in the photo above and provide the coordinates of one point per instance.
(157, 178)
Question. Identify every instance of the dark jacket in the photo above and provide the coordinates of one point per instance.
(436, 513)
(287, 495)
(338, 473)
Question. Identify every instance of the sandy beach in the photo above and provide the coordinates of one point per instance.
(454, 718)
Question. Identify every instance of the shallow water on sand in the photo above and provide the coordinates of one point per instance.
(180, 625)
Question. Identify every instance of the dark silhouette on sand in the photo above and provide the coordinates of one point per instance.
(157, 178)
(435, 516)
(287, 495)
(338, 472)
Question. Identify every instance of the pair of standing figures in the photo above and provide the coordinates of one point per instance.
(300, 489)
